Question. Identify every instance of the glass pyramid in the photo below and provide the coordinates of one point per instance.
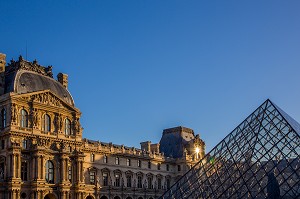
(259, 159)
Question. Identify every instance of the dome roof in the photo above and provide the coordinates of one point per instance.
(26, 77)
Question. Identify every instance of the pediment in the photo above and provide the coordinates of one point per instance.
(46, 97)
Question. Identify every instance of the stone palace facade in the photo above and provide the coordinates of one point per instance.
(43, 154)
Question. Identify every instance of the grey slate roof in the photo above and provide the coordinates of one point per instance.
(25, 77)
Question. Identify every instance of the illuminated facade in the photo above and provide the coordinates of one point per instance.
(43, 154)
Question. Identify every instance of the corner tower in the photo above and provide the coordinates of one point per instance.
(39, 132)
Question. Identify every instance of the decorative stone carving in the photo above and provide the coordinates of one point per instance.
(60, 122)
(77, 125)
(35, 118)
(13, 109)
(42, 142)
(30, 66)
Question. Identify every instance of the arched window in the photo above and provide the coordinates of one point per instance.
(49, 172)
(67, 127)
(3, 118)
(24, 118)
(47, 123)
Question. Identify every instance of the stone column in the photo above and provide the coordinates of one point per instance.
(42, 167)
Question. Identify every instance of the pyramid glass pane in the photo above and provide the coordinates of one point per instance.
(259, 159)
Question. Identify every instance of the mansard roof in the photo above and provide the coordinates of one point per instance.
(26, 77)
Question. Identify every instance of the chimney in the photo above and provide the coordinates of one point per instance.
(2, 71)
(145, 146)
(63, 79)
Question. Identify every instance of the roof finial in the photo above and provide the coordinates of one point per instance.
(21, 58)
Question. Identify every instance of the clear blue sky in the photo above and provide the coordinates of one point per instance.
(137, 67)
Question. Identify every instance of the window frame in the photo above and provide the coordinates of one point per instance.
(128, 162)
(105, 178)
(24, 118)
(50, 173)
(47, 123)
(3, 118)
(24, 170)
(92, 176)
(92, 158)
(117, 161)
(68, 129)
(128, 181)
(105, 159)
(149, 164)
(140, 182)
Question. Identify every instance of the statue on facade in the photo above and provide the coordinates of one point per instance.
(13, 113)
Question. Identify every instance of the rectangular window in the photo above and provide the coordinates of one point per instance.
(24, 171)
(159, 183)
(168, 183)
(2, 171)
(149, 183)
(158, 166)
(139, 181)
(92, 157)
(128, 181)
(128, 162)
(25, 143)
(2, 144)
(139, 163)
(105, 179)
(168, 167)
(117, 160)
(104, 159)
(70, 173)
(179, 167)
(92, 177)
(149, 165)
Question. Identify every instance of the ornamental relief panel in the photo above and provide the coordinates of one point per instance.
(44, 98)
(13, 113)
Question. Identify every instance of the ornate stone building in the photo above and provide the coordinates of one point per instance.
(43, 154)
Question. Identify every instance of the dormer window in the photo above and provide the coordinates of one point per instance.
(24, 118)
(67, 127)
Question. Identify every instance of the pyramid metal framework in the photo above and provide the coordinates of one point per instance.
(259, 159)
